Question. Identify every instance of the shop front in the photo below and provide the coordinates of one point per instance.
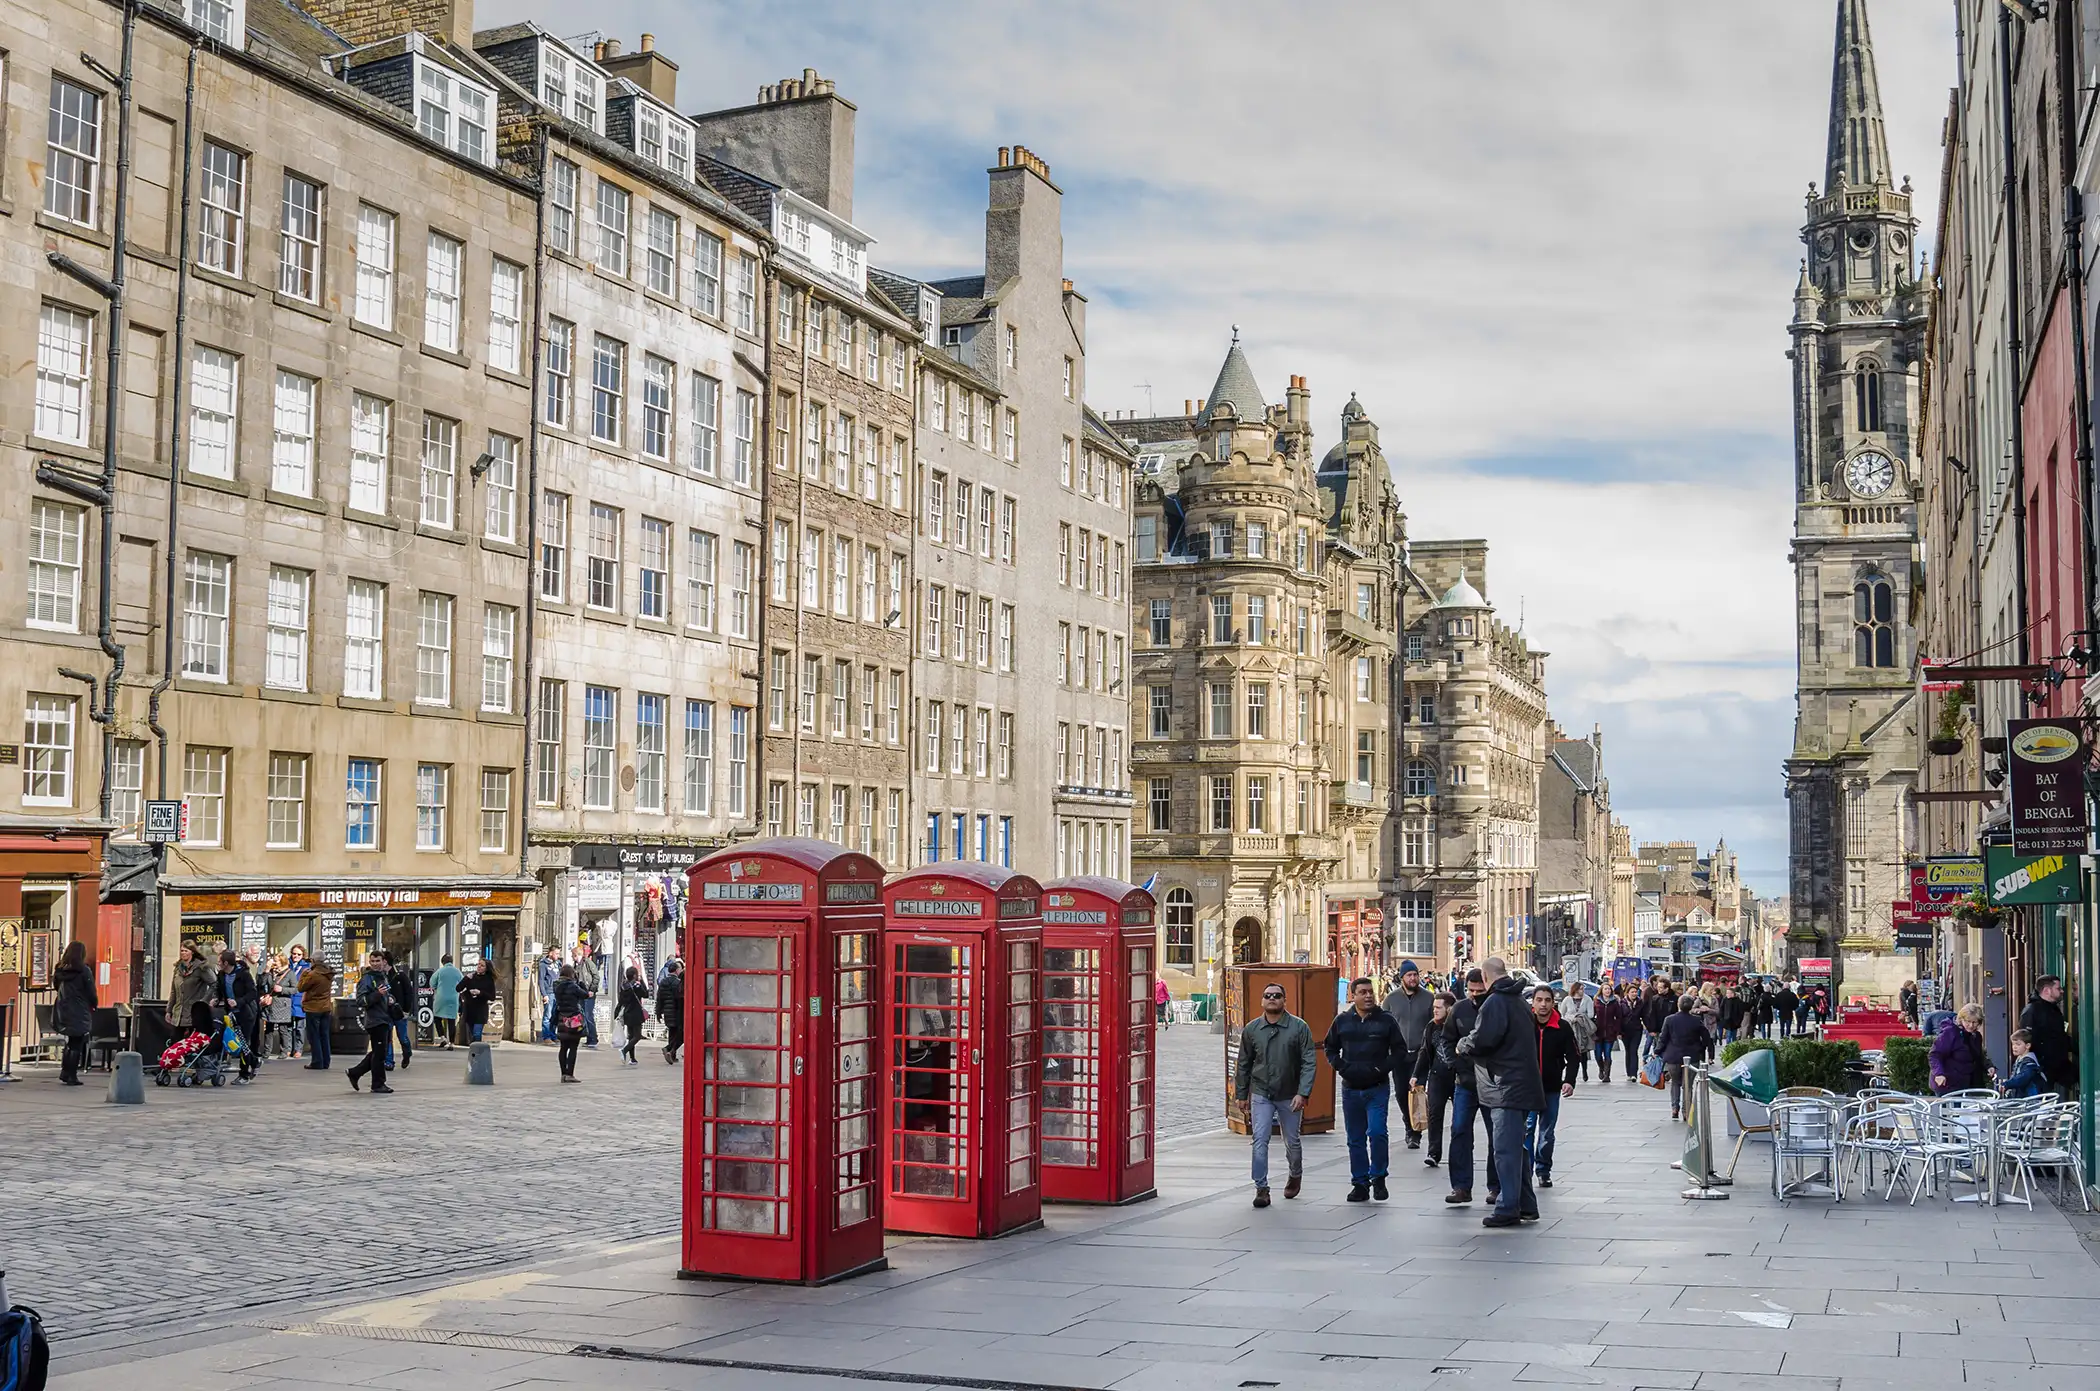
(1356, 937)
(417, 922)
(50, 887)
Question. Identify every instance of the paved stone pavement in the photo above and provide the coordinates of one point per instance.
(209, 1202)
(1622, 1285)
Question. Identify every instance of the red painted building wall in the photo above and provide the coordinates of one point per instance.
(2056, 603)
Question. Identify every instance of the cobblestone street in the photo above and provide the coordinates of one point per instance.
(210, 1202)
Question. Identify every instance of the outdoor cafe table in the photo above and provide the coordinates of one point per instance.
(1988, 1113)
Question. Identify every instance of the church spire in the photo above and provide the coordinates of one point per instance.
(1859, 150)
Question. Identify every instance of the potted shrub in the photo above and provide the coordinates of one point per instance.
(1946, 738)
(1907, 1064)
(1811, 1062)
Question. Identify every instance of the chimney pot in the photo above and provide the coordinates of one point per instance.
(648, 43)
(809, 77)
(610, 48)
(1068, 287)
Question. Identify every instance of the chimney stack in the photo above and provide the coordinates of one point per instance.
(645, 68)
(798, 134)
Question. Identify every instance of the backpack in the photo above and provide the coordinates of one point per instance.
(25, 1357)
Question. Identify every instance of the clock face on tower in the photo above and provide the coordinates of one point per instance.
(1870, 474)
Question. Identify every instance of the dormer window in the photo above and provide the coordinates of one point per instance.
(663, 139)
(222, 21)
(570, 87)
(453, 111)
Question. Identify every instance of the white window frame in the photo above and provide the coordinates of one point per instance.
(215, 407)
(284, 794)
(50, 725)
(506, 315)
(73, 156)
(454, 112)
(434, 614)
(57, 535)
(438, 475)
(222, 209)
(614, 211)
(299, 238)
(706, 405)
(371, 450)
(499, 647)
(207, 612)
(444, 270)
(288, 625)
(364, 803)
(376, 240)
(661, 236)
(499, 481)
(433, 803)
(65, 374)
(294, 406)
(364, 639)
(204, 796)
(495, 811)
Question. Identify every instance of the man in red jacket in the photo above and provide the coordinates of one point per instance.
(1558, 1057)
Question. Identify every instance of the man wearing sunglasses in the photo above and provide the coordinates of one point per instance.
(1272, 1079)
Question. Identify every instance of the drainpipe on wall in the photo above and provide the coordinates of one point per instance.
(527, 799)
(169, 572)
(2010, 199)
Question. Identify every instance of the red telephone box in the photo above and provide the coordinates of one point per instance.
(1099, 945)
(782, 1113)
(963, 944)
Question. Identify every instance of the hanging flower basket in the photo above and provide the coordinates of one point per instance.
(1944, 745)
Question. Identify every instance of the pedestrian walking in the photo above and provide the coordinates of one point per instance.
(1364, 1049)
(1436, 1071)
(196, 982)
(544, 977)
(376, 1008)
(237, 996)
(444, 1002)
(1272, 1078)
(633, 991)
(1409, 1004)
(2043, 1019)
(1957, 1061)
(1659, 1006)
(1610, 1014)
(569, 1003)
(1683, 1040)
(670, 1007)
(401, 981)
(1786, 1004)
(1504, 1049)
(277, 996)
(1162, 1002)
(1907, 1002)
(1734, 1011)
(476, 993)
(1580, 1012)
(1761, 1011)
(73, 1009)
(295, 964)
(1632, 1029)
(316, 986)
(589, 976)
(1465, 1098)
(1560, 1051)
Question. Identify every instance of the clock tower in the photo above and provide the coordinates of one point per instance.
(1858, 337)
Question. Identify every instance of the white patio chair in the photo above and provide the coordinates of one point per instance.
(2043, 1138)
(1915, 1148)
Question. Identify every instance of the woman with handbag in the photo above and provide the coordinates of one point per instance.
(1435, 1072)
(569, 1002)
(633, 1012)
(1580, 1013)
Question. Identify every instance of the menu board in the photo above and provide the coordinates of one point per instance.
(43, 946)
(255, 932)
(332, 940)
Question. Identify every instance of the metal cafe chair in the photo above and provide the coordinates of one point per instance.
(1804, 1148)
(1918, 1148)
(2043, 1138)
(1867, 1134)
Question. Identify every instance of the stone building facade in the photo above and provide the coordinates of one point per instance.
(1858, 345)
(646, 521)
(1245, 747)
(1471, 751)
(834, 641)
(1575, 848)
(1023, 533)
(311, 362)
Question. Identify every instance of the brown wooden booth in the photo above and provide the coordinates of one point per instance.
(1309, 993)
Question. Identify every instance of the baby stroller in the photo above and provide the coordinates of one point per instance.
(199, 1060)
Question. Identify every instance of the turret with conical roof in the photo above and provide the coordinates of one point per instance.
(1236, 389)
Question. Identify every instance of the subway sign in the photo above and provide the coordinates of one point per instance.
(2016, 879)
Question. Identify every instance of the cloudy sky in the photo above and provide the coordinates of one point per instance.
(1551, 246)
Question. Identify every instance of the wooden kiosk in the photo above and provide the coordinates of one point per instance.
(1310, 993)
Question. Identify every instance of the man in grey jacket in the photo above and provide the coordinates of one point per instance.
(1409, 1005)
(1273, 1078)
(589, 976)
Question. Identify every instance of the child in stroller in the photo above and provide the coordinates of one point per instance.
(202, 1057)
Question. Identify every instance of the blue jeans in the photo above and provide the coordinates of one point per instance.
(1465, 1105)
(1538, 1134)
(318, 1043)
(1602, 1052)
(590, 1021)
(1263, 1116)
(474, 1033)
(405, 1030)
(1363, 1114)
(547, 1017)
(1507, 1125)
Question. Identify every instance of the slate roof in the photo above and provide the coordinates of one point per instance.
(743, 189)
(1236, 387)
(1579, 758)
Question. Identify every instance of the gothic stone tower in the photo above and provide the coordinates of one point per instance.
(1858, 330)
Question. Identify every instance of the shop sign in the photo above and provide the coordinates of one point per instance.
(470, 934)
(435, 898)
(255, 931)
(2016, 878)
(2047, 765)
(642, 858)
(1937, 887)
(595, 890)
(1913, 934)
(10, 753)
(43, 946)
(163, 825)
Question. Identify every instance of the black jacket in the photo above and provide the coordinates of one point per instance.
(1438, 1055)
(237, 989)
(1655, 1009)
(1733, 1011)
(475, 993)
(1504, 1048)
(402, 982)
(2052, 1043)
(1465, 1015)
(1683, 1039)
(1365, 1050)
(375, 1001)
(670, 1000)
(1558, 1054)
(569, 999)
(632, 996)
(1787, 1003)
(74, 1010)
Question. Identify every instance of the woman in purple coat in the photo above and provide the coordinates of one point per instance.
(1957, 1061)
